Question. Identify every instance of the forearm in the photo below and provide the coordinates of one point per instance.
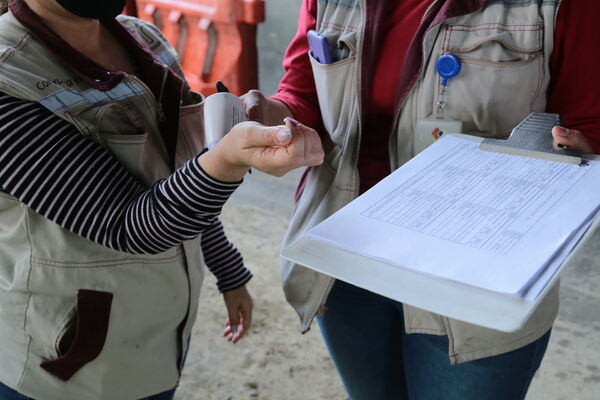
(280, 112)
(223, 259)
(172, 210)
(73, 181)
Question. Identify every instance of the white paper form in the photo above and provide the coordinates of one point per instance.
(485, 219)
(539, 282)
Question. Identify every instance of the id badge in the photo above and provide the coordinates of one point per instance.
(430, 129)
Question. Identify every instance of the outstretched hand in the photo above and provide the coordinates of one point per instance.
(295, 145)
(275, 150)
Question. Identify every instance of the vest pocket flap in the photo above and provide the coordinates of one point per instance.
(494, 43)
(123, 139)
(502, 76)
(93, 315)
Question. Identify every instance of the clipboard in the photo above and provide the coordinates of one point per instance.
(532, 138)
(445, 297)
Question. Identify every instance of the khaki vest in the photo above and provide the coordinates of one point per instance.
(505, 49)
(134, 312)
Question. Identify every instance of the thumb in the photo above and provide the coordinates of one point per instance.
(284, 135)
(565, 138)
(263, 136)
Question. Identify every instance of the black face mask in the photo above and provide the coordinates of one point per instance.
(99, 9)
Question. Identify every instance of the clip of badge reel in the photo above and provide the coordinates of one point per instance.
(430, 129)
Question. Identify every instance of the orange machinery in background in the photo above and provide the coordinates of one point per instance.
(216, 39)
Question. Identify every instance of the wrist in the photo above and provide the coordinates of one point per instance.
(218, 163)
(277, 112)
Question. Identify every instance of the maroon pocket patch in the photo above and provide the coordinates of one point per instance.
(93, 315)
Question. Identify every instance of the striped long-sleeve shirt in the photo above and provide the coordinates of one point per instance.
(74, 181)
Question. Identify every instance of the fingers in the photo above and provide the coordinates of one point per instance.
(228, 331)
(310, 148)
(233, 333)
(275, 150)
(254, 102)
(245, 317)
(315, 149)
(233, 321)
(564, 138)
(239, 309)
(291, 122)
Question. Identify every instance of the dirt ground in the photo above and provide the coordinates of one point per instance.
(274, 361)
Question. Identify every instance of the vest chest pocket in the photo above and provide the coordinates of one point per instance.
(336, 85)
(139, 153)
(133, 140)
(502, 78)
(190, 139)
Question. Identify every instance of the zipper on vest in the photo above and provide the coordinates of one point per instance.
(147, 92)
(151, 124)
(397, 112)
(359, 61)
(427, 10)
(159, 106)
(321, 308)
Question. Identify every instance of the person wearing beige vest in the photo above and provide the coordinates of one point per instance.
(104, 191)
(517, 57)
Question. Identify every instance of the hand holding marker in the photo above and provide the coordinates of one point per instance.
(224, 110)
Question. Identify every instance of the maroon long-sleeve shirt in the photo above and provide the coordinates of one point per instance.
(574, 91)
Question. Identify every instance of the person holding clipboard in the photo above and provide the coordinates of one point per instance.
(399, 75)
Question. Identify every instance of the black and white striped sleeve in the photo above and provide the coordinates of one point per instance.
(74, 181)
(223, 259)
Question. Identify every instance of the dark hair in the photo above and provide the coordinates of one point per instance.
(3, 6)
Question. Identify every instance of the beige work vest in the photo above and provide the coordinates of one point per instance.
(135, 312)
(505, 49)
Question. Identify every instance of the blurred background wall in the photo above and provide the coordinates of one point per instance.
(273, 37)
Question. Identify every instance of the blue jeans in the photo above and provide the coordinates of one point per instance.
(377, 360)
(7, 393)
